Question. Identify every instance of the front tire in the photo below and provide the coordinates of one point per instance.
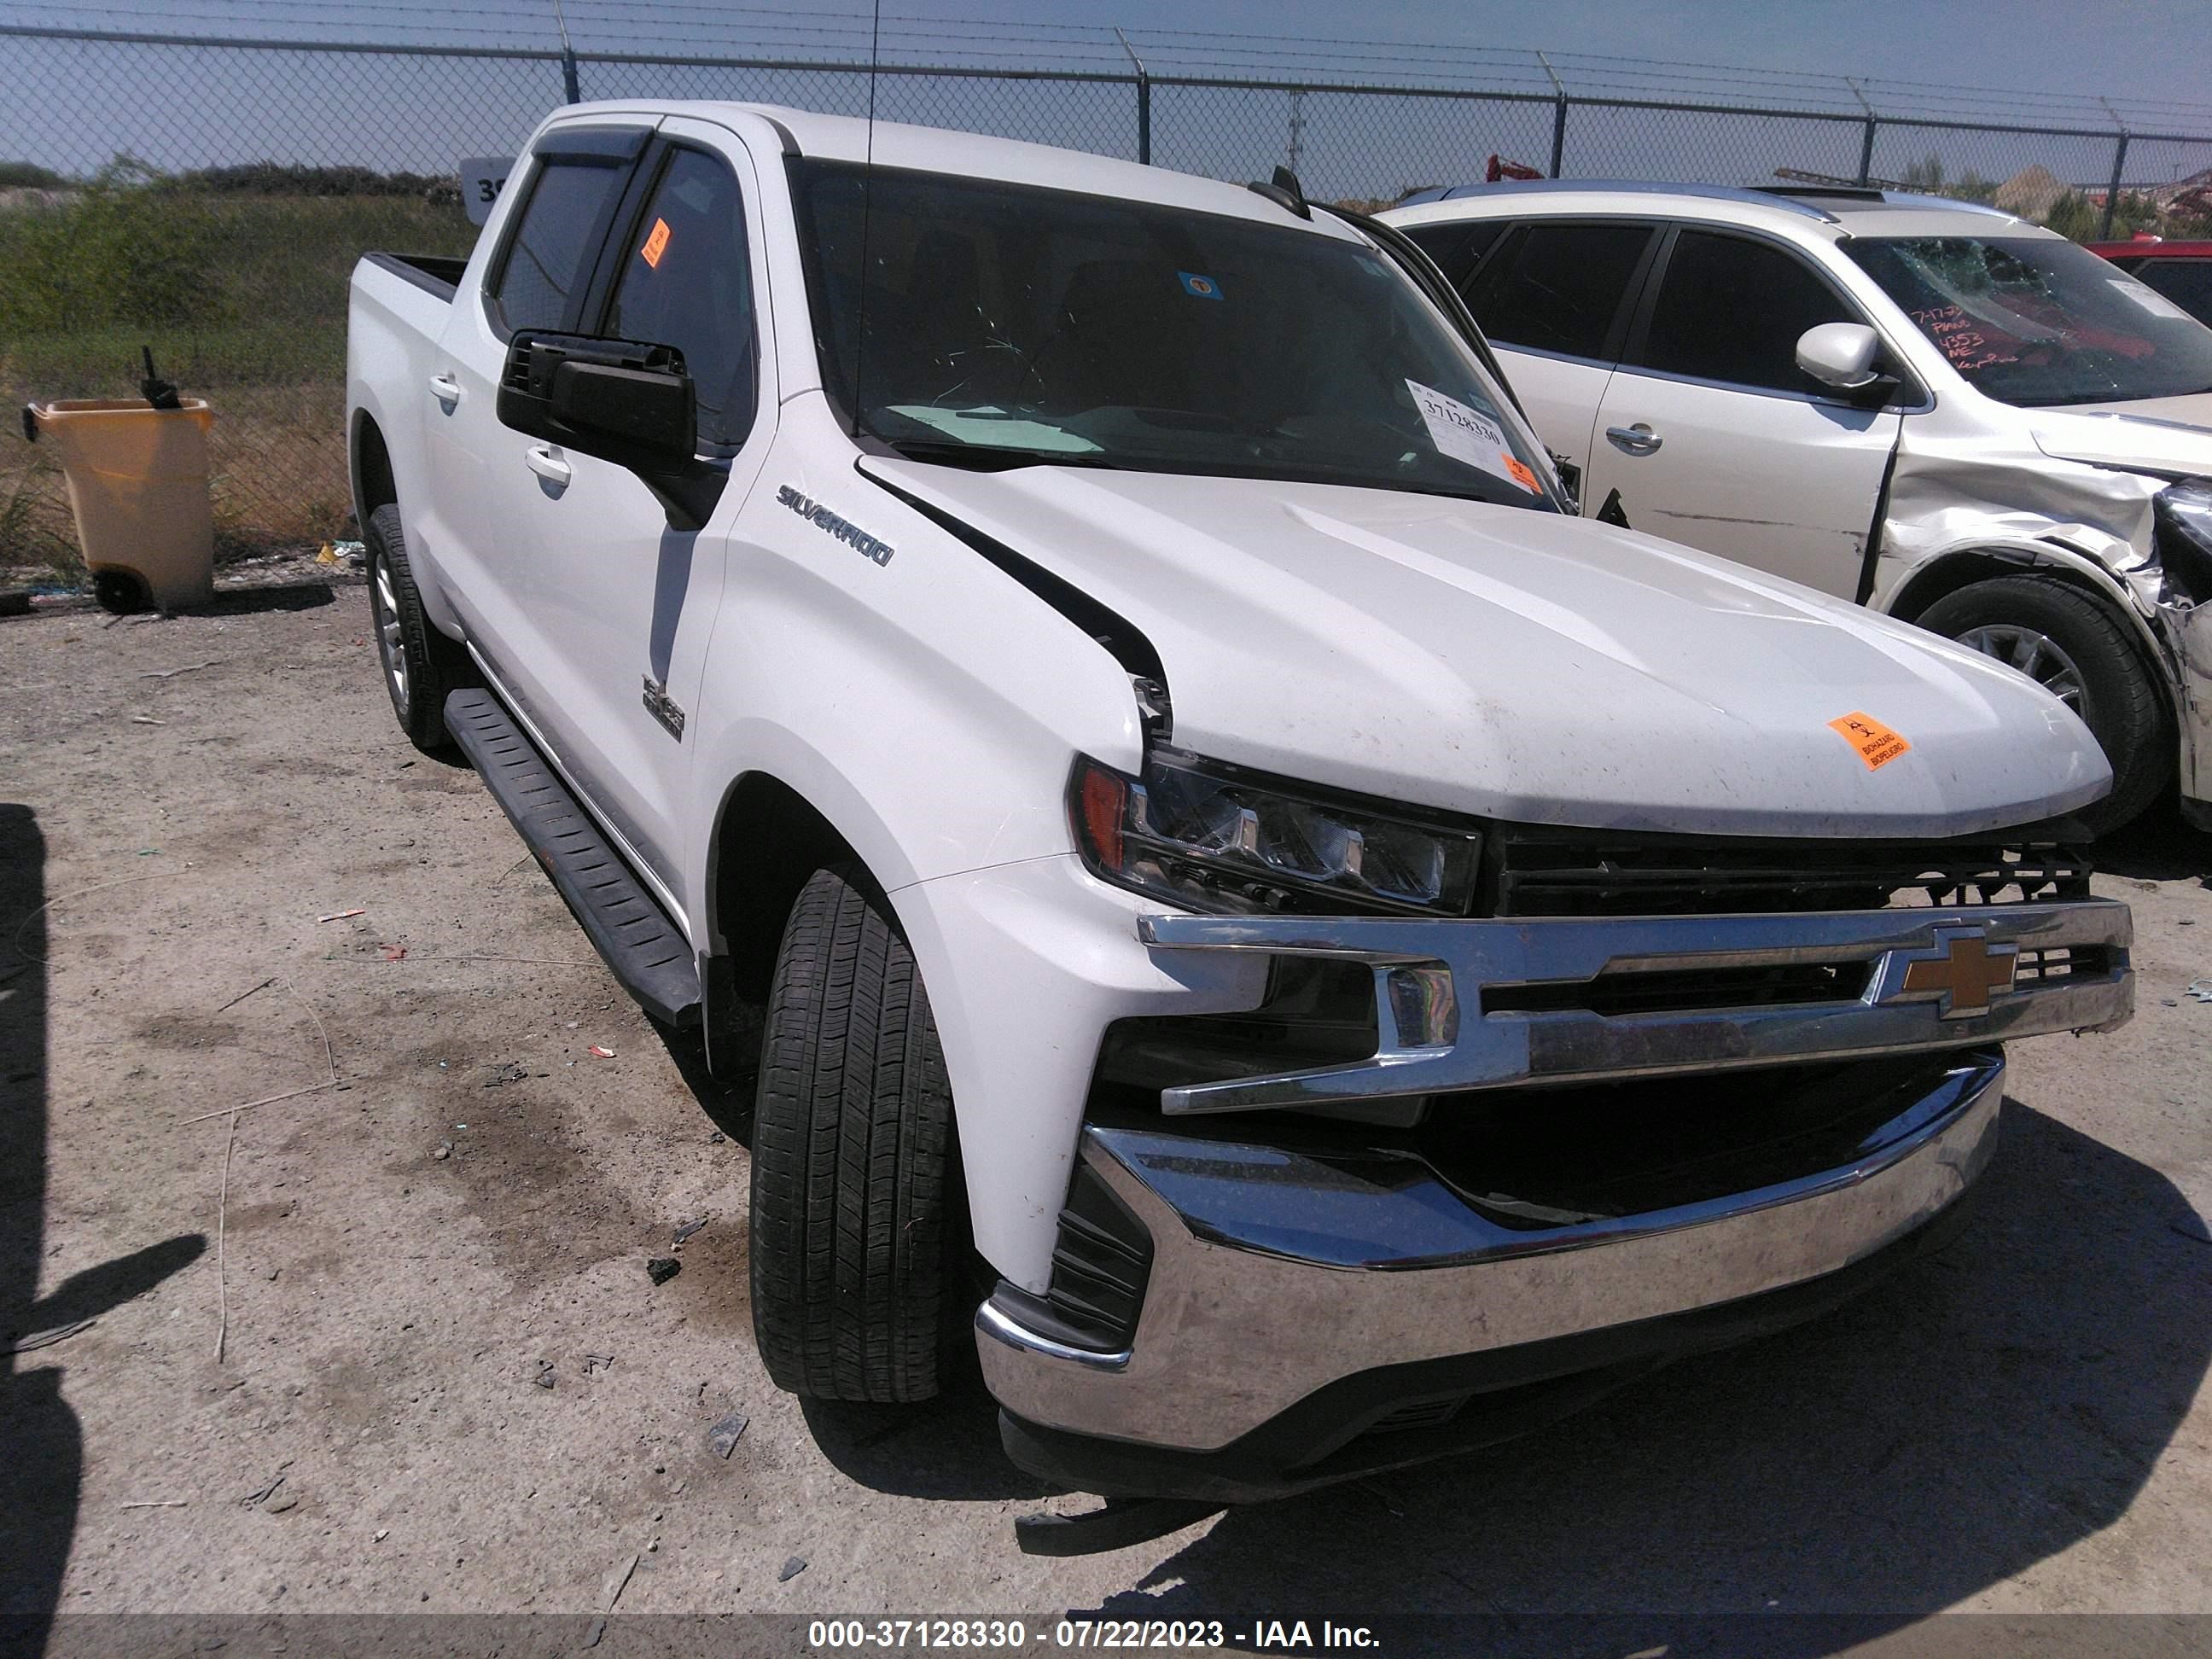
(2080, 652)
(420, 664)
(858, 1229)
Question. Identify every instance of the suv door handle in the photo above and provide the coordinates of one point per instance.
(548, 465)
(444, 388)
(1638, 439)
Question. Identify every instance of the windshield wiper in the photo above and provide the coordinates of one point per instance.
(993, 457)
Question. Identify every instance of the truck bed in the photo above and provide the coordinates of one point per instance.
(434, 273)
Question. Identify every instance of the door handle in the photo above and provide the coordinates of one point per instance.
(1638, 439)
(444, 388)
(548, 465)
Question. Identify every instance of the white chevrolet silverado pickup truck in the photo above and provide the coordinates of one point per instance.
(1400, 958)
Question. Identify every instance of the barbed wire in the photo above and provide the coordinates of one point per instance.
(677, 27)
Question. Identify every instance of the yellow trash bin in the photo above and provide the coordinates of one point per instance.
(138, 485)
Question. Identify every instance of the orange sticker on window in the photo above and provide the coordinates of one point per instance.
(1523, 474)
(1876, 744)
(656, 244)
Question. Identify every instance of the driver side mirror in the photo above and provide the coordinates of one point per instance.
(622, 401)
(1846, 356)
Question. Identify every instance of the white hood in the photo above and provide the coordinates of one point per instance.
(2170, 435)
(1525, 665)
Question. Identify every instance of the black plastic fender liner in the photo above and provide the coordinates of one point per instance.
(626, 925)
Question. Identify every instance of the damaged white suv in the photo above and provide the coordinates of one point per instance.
(1942, 411)
(1242, 909)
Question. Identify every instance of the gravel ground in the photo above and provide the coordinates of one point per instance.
(351, 1352)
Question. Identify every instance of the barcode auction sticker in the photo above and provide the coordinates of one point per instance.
(1877, 745)
(1469, 435)
(656, 244)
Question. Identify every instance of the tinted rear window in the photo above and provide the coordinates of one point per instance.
(550, 259)
(1558, 288)
(1457, 249)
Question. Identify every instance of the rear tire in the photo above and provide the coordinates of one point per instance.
(2085, 657)
(420, 664)
(858, 1228)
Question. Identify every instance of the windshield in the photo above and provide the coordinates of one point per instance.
(1004, 326)
(2032, 320)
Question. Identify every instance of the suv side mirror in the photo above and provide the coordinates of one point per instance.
(620, 400)
(1842, 355)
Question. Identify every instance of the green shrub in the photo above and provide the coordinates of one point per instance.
(292, 179)
(117, 253)
(17, 175)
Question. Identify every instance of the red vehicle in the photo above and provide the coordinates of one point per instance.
(2180, 270)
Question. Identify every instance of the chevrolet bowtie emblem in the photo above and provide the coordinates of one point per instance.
(1960, 975)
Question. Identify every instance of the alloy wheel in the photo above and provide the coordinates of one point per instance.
(390, 643)
(2035, 654)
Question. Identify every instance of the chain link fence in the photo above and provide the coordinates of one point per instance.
(208, 198)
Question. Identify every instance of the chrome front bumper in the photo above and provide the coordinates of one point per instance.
(1932, 979)
(1275, 1273)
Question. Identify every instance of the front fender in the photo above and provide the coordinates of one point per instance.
(930, 708)
(1953, 514)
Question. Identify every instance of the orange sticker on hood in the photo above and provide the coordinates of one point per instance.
(656, 244)
(1877, 745)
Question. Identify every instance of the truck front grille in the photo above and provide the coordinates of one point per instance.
(1541, 871)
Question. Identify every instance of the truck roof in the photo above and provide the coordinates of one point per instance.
(969, 155)
(1834, 212)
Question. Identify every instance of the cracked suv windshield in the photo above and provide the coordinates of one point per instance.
(2033, 322)
(1003, 326)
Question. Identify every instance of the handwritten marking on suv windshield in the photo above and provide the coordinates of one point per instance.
(843, 529)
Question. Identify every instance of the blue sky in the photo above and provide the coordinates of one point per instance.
(2027, 62)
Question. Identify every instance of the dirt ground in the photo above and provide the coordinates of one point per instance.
(408, 1274)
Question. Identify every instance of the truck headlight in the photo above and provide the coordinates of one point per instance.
(1216, 837)
(2183, 513)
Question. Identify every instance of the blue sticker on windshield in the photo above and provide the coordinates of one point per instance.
(1204, 287)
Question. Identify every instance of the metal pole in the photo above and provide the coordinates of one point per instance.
(2119, 162)
(1558, 115)
(569, 81)
(1866, 145)
(2113, 195)
(1143, 100)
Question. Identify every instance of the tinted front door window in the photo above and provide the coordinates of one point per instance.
(686, 281)
(1732, 310)
(1558, 288)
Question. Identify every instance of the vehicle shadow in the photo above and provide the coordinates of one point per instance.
(45, 1456)
(2156, 846)
(728, 1106)
(1990, 1405)
(256, 601)
(947, 1449)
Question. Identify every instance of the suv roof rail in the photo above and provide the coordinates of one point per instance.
(1639, 186)
(1875, 197)
(1840, 192)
